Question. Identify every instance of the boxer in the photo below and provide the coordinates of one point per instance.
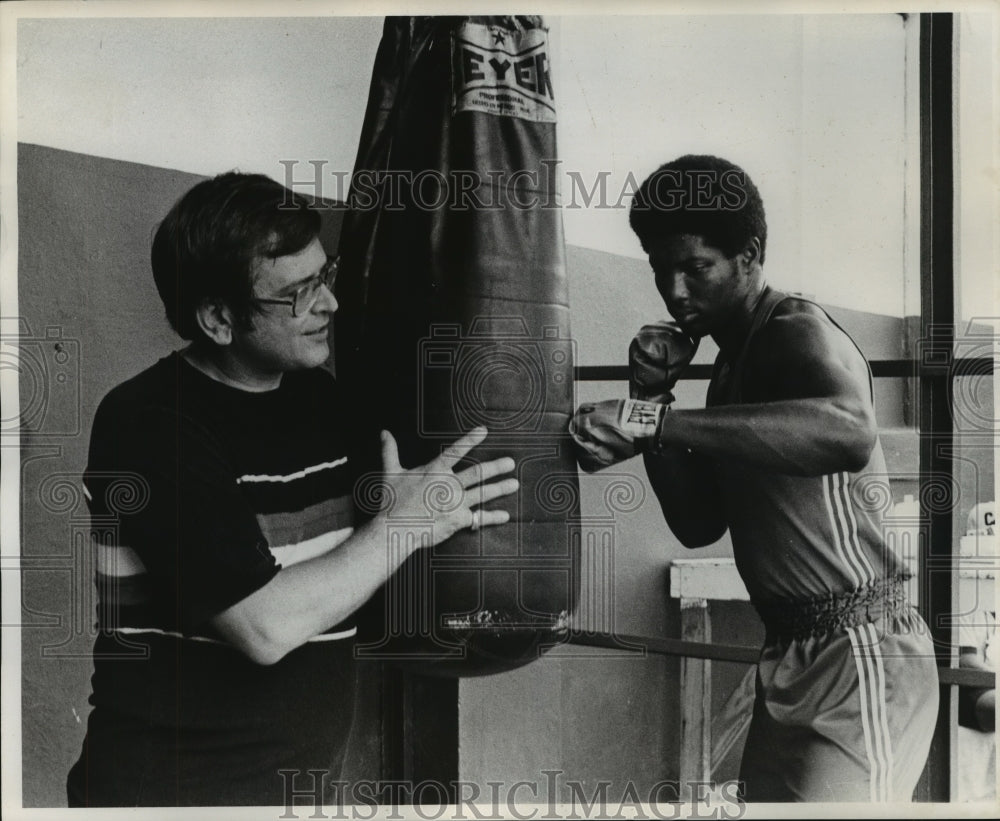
(847, 688)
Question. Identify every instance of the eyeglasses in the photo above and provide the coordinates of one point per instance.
(305, 296)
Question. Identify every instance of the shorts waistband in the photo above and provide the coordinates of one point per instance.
(804, 618)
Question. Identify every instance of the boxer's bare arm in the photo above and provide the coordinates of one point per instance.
(688, 495)
(809, 408)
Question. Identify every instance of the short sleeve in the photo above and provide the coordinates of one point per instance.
(187, 522)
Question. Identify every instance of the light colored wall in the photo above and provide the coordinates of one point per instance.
(977, 242)
(197, 94)
(818, 124)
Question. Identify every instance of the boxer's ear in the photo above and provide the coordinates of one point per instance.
(750, 253)
(215, 320)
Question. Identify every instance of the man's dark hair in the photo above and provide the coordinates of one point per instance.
(704, 196)
(209, 242)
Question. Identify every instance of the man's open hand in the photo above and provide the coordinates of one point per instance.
(452, 499)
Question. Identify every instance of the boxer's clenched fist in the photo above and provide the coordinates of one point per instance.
(657, 356)
(610, 431)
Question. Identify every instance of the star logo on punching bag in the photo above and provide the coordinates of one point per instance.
(501, 72)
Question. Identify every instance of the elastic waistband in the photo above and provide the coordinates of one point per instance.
(803, 618)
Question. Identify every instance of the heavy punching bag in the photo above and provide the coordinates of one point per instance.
(454, 313)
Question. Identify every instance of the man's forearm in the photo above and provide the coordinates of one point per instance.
(804, 437)
(307, 598)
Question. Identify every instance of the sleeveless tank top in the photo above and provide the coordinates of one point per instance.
(801, 537)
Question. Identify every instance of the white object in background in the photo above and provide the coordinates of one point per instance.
(979, 553)
(982, 519)
(901, 530)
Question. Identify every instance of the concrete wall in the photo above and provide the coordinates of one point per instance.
(85, 228)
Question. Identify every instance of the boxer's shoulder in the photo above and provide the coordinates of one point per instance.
(798, 350)
(800, 330)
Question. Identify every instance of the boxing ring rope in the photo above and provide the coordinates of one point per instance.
(961, 366)
(962, 677)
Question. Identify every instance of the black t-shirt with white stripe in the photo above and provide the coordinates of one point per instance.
(199, 492)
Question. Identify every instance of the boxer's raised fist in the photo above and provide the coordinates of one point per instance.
(610, 431)
(656, 357)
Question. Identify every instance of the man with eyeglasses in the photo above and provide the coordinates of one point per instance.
(232, 559)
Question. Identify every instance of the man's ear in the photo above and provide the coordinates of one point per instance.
(751, 253)
(216, 321)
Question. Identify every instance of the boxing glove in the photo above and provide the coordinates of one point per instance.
(610, 431)
(656, 357)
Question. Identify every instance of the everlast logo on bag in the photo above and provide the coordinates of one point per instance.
(503, 72)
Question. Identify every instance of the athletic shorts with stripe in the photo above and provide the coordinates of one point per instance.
(846, 715)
